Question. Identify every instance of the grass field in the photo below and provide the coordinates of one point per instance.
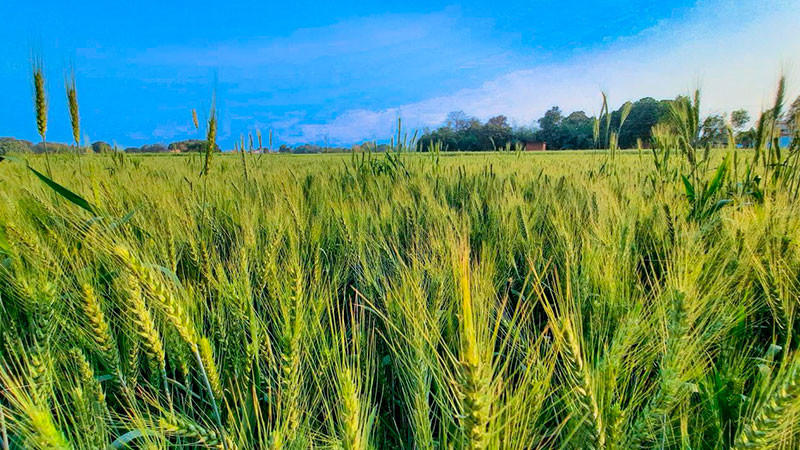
(418, 301)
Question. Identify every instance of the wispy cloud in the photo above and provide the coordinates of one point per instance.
(172, 129)
(358, 55)
(733, 52)
(305, 45)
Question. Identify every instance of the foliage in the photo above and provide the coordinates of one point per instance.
(739, 119)
(573, 131)
(52, 147)
(10, 145)
(714, 130)
(101, 147)
(190, 146)
(469, 134)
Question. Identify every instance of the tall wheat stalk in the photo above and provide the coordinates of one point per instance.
(40, 105)
(244, 160)
(71, 88)
(211, 138)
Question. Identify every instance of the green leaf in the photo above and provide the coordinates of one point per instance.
(4, 247)
(773, 351)
(10, 158)
(716, 182)
(125, 219)
(168, 273)
(64, 192)
(689, 188)
(717, 206)
(125, 439)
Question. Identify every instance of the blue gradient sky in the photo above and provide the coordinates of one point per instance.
(344, 71)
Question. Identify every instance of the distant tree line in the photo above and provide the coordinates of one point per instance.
(314, 148)
(460, 132)
(13, 145)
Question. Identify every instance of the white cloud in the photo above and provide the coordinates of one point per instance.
(172, 129)
(734, 52)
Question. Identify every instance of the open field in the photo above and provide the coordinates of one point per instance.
(400, 300)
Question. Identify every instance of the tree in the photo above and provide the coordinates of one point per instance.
(739, 119)
(645, 113)
(713, 130)
(746, 138)
(12, 145)
(524, 134)
(191, 146)
(457, 120)
(498, 122)
(575, 131)
(549, 127)
(102, 147)
(496, 133)
(464, 133)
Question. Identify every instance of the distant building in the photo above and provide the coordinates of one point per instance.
(785, 136)
(535, 146)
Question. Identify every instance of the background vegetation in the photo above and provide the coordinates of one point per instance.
(575, 130)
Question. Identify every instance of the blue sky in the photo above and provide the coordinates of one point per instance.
(343, 72)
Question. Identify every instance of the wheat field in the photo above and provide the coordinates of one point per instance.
(400, 300)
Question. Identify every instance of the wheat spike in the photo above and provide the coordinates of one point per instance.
(244, 160)
(155, 288)
(40, 97)
(351, 410)
(211, 138)
(475, 374)
(180, 427)
(40, 105)
(207, 356)
(582, 385)
(100, 332)
(145, 328)
(291, 357)
(757, 433)
(195, 122)
(72, 102)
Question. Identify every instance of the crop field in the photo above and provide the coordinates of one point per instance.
(401, 300)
